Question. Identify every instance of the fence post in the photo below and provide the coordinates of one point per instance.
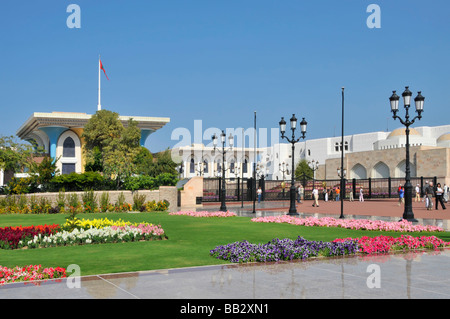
(238, 188)
(220, 189)
(389, 186)
(354, 186)
(421, 186)
(370, 187)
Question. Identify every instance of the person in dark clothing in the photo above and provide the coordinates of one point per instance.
(439, 196)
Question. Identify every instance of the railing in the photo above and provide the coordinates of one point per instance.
(238, 189)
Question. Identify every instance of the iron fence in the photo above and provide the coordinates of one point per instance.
(238, 189)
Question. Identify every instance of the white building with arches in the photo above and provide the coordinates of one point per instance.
(367, 155)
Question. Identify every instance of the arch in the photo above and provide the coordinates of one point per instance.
(358, 171)
(69, 147)
(400, 170)
(380, 170)
(205, 166)
(192, 165)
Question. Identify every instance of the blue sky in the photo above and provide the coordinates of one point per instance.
(219, 61)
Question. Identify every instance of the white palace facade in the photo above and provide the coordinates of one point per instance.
(368, 155)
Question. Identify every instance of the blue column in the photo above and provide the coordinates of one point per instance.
(144, 134)
(53, 133)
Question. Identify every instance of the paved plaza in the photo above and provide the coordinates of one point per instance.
(397, 276)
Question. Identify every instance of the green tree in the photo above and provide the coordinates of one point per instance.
(15, 156)
(44, 171)
(164, 164)
(110, 146)
(144, 162)
(303, 171)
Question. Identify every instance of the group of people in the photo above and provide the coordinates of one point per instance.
(327, 195)
(440, 193)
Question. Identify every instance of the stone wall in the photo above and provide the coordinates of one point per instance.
(168, 193)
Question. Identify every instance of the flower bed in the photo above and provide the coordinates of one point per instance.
(360, 224)
(287, 249)
(109, 234)
(284, 249)
(29, 273)
(79, 233)
(10, 237)
(97, 223)
(386, 244)
(205, 214)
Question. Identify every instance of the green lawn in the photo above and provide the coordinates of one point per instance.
(189, 243)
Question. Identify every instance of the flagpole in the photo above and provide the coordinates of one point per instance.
(99, 106)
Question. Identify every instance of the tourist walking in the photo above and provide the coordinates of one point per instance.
(338, 193)
(259, 192)
(425, 197)
(417, 193)
(401, 195)
(300, 193)
(326, 194)
(361, 195)
(429, 193)
(439, 196)
(315, 194)
(351, 195)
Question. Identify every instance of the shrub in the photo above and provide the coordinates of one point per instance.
(89, 201)
(78, 182)
(104, 202)
(138, 202)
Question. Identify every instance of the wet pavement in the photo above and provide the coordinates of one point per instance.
(422, 275)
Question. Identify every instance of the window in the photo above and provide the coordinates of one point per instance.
(192, 166)
(68, 168)
(69, 147)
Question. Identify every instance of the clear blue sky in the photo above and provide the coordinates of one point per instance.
(219, 61)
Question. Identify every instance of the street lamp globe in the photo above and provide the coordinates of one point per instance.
(394, 101)
(303, 125)
(419, 100)
(407, 96)
(282, 126)
(293, 122)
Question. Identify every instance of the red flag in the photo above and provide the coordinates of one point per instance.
(102, 68)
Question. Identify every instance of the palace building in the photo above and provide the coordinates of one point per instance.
(59, 134)
(368, 155)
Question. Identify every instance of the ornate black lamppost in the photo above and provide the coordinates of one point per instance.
(223, 206)
(419, 101)
(293, 140)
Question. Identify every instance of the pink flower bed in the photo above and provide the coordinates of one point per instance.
(30, 273)
(361, 224)
(205, 214)
(386, 244)
(149, 229)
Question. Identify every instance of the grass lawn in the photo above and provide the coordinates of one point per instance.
(189, 243)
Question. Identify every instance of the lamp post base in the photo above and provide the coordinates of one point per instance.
(292, 207)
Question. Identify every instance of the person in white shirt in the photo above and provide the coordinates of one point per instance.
(417, 193)
(315, 194)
